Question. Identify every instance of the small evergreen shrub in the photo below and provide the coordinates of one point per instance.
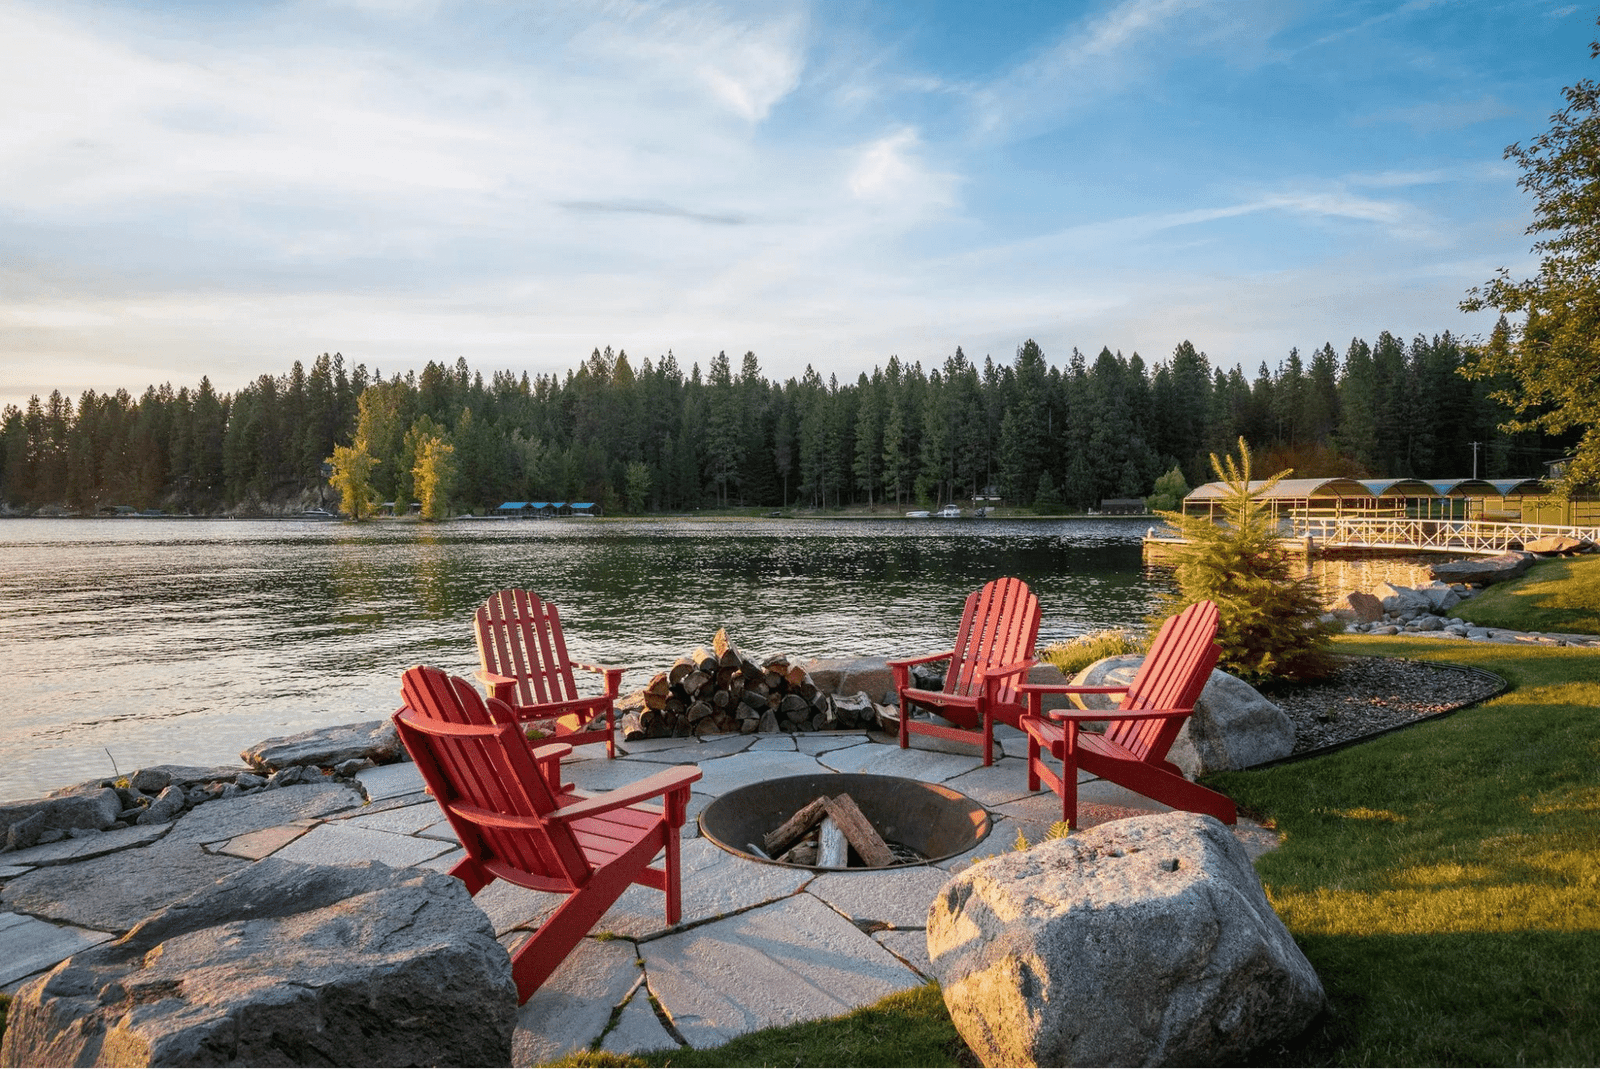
(1270, 625)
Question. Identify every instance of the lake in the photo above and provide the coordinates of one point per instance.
(130, 642)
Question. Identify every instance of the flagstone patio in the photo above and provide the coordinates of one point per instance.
(758, 945)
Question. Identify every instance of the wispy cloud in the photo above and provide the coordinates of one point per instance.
(219, 191)
(653, 208)
(1131, 43)
(1441, 115)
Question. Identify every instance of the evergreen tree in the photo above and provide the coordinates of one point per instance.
(1269, 624)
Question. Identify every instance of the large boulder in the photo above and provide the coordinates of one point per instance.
(283, 964)
(375, 740)
(1483, 571)
(1146, 941)
(1359, 607)
(23, 822)
(868, 675)
(1558, 546)
(1233, 726)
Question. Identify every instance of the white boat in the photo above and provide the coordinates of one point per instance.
(920, 514)
(950, 512)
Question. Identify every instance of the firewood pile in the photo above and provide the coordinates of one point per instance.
(831, 833)
(719, 689)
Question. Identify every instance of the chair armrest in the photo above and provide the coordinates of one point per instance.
(613, 674)
(676, 778)
(555, 710)
(1116, 714)
(1067, 688)
(939, 697)
(498, 686)
(555, 750)
(902, 667)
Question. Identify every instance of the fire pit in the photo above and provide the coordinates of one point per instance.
(921, 822)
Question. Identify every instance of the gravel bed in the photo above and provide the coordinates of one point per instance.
(1367, 695)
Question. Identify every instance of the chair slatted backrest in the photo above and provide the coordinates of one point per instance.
(1172, 676)
(999, 626)
(484, 777)
(519, 636)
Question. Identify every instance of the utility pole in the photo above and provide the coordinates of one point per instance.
(1475, 459)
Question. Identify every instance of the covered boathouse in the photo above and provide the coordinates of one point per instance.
(1410, 515)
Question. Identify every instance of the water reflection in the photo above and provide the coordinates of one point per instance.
(182, 641)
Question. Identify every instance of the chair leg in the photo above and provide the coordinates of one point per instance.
(674, 885)
(905, 726)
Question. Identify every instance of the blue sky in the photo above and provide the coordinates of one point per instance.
(224, 188)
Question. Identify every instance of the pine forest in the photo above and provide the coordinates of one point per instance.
(651, 437)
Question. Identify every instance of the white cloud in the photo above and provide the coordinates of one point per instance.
(1130, 44)
(890, 173)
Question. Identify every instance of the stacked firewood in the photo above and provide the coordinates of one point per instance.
(719, 689)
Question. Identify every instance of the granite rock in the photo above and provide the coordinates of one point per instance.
(283, 964)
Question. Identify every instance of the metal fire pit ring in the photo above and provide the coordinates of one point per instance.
(934, 821)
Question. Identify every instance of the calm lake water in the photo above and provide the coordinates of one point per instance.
(182, 641)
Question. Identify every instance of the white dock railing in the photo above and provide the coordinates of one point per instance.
(1400, 533)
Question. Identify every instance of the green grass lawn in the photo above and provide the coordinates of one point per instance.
(1561, 595)
(1443, 880)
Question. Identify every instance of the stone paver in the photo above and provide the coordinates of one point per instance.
(390, 781)
(345, 844)
(406, 820)
(511, 907)
(826, 741)
(779, 741)
(218, 821)
(117, 891)
(758, 944)
(32, 945)
(91, 846)
(440, 830)
(794, 960)
(597, 777)
(638, 1028)
(724, 774)
(721, 746)
(255, 845)
(572, 1008)
(929, 766)
(910, 945)
(444, 862)
(897, 897)
(715, 884)
(1004, 781)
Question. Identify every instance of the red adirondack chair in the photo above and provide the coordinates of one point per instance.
(1133, 749)
(992, 654)
(486, 777)
(525, 665)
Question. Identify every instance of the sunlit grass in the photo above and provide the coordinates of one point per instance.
(1443, 880)
(1560, 595)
